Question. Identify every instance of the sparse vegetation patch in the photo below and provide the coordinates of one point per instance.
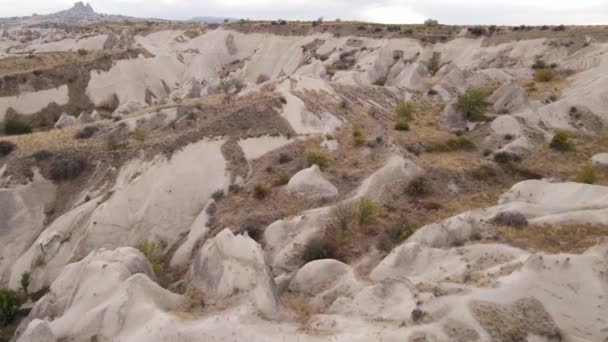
(16, 127)
(561, 141)
(473, 103)
(319, 159)
(151, 251)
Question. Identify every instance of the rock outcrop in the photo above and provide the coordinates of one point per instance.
(228, 265)
(310, 183)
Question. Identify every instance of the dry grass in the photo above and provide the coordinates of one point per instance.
(554, 239)
(566, 165)
(45, 60)
(424, 126)
(53, 140)
(537, 90)
(299, 305)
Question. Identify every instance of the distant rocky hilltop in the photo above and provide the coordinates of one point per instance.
(80, 13)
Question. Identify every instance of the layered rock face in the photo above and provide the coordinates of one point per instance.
(207, 183)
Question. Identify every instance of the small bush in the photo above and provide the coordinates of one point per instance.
(402, 126)
(586, 175)
(319, 159)
(380, 81)
(281, 180)
(254, 231)
(539, 64)
(150, 250)
(453, 144)
(544, 75)
(473, 103)
(113, 142)
(511, 219)
(358, 136)
(25, 283)
(68, 168)
(16, 127)
(559, 28)
(504, 157)
(218, 195)
(478, 31)
(83, 52)
(317, 250)
(39, 261)
(405, 110)
(86, 133)
(365, 211)
(10, 303)
(417, 314)
(262, 78)
(6, 148)
(561, 141)
(42, 155)
(318, 22)
(261, 191)
(420, 186)
(139, 134)
(401, 232)
(329, 137)
(284, 158)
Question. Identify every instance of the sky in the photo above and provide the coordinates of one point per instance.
(471, 12)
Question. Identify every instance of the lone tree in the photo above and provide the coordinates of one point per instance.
(431, 22)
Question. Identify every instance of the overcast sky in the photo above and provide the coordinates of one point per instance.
(501, 12)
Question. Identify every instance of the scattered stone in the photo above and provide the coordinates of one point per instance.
(65, 120)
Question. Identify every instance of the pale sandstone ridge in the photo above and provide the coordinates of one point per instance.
(224, 185)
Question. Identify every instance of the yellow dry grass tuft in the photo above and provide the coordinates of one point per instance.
(53, 140)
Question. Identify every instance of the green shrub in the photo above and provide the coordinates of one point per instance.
(405, 110)
(365, 211)
(544, 75)
(25, 283)
(139, 134)
(473, 103)
(358, 136)
(561, 141)
(281, 179)
(16, 127)
(453, 144)
(402, 126)
(39, 262)
(319, 159)
(83, 52)
(261, 191)
(586, 175)
(150, 250)
(329, 137)
(316, 250)
(10, 303)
